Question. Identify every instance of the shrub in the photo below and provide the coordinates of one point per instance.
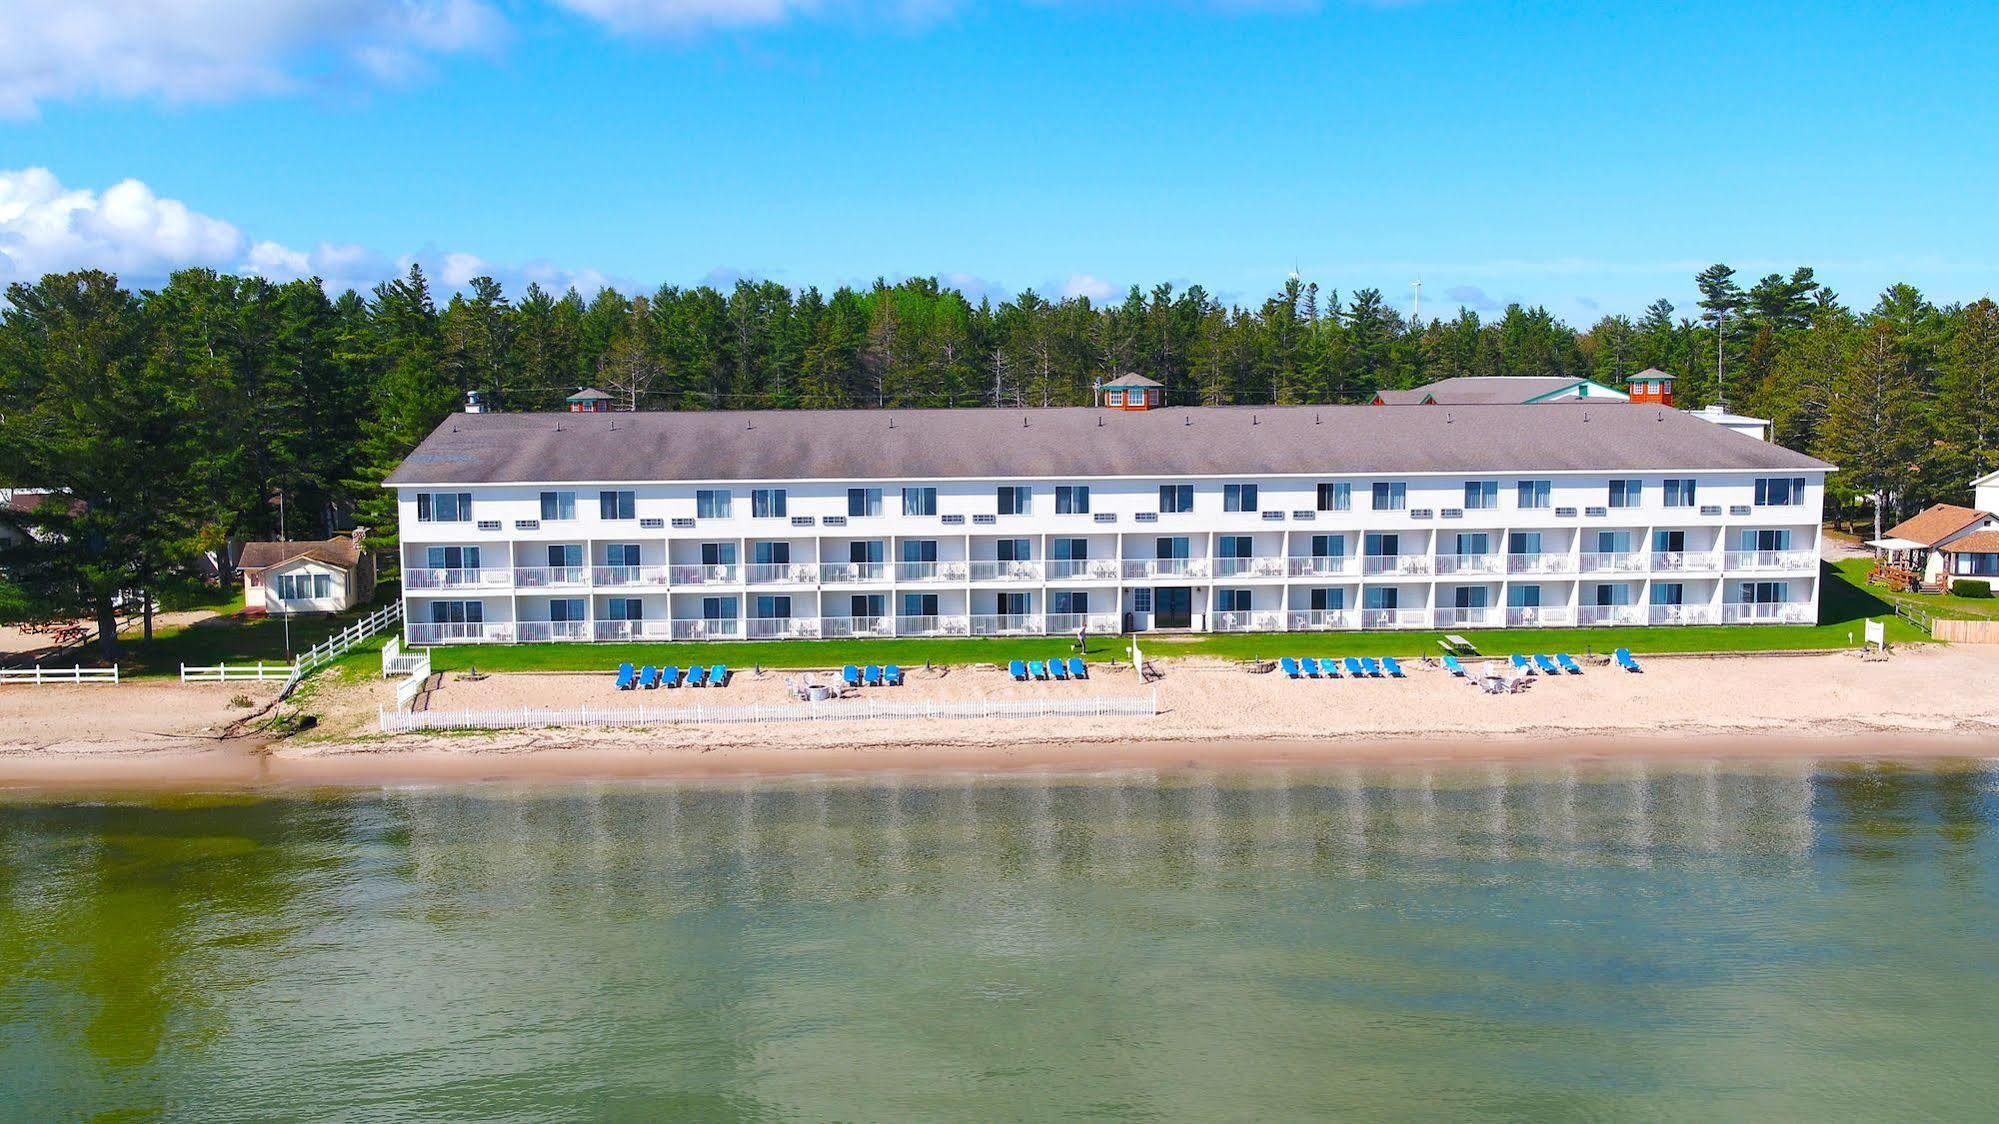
(1971, 587)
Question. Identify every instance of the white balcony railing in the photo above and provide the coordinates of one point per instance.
(1470, 563)
(1680, 561)
(1610, 614)
(1165, 567)
(1538, 616)
(1006, 624)
(1324, 566)
(542, 632)
(1249, 567)
(990, 570)
(629, 575)
(850, 573)
(1395, 564)
(721, 628)
(427, 632)
(1766, 612)
(1613, 561)
(1246, 620)
(1680, 614)
(1764, 560)
(783, 628)
(722, 574)
(833, 627)
(550, 577)
(1395, 618)
(1082, 569)
(1321, 620)
(1062, 623)
(780, 573)
(1468, 616)
(634, 630)
(916, 573)
(1540, 564)
(457, 579)
(932, 626)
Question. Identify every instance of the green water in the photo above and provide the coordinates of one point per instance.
(1694, 942)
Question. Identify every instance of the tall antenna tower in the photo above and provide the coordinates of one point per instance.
(1417, 316)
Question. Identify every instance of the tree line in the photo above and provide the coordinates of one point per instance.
(220, 409)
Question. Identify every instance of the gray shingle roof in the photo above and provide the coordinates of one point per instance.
(1130, 379)
(1076, 442)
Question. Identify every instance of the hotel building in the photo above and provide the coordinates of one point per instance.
(524, 528)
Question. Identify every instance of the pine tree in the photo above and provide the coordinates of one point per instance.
(1874, 427)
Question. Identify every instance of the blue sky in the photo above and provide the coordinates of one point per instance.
(1583, 156)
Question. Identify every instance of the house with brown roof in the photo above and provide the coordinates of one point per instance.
(1501, 390)
(319, 576)
(1945, 543)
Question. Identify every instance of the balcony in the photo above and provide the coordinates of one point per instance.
(1762, 561)
(917, 573)
(989, 570)
(720, 628)
(1324, 566)
(1377, 564)
(780, 573)
(1272, 568)
(614, 576)
(550, 577)
(1064, 623)
(853, 573)
(1767, 612)
(932, 626)
(634, 630)
(1681, 614)
(543, 632)
(1394, 618)
(1322, 620)
(1468, 616)
(1610, 614)
(1165, 567)
(721, 574)
(1682, 561)
(1006, 624)
(1540, 564)
(1613, 562)
(1470, 563)
(457, 579)
(1082, 569)
(1538, 616)
(464, 632)
(1251, 620)
(835, 627)
(783, 628)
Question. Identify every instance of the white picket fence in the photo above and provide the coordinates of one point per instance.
(410, 688)
(338, 644)
(44, 676)
(397, 662)
(237, 672)
(1134, 706)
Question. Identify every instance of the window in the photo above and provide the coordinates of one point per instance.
(1176, 499)
(1072, 499)
(1328, 600)
(1668, 593)
(1669, 542)
(1680, 493)
(304, 587)
(1014, 550)
(445, 507)
(1766, 538)
(917, 550)
(771, 553)
(1523, 542)
(1015, 499)
(767, 503)
(1336, 497)
(1011, 604)
(1626, 493)
(1765, 593)
(718, 608)
(773, 608)
(1470, 597)
(565, 556)
(1067, 601)
(1481, 494)
(1233, 546)
(621, 554)
(1523, 596)
(1535, 494)
(718, 554)
(1391, 497)
(919, 501)
(1141, 600)
(1070, 550)
(870, 550)
(556, 506)
(866, 606)
(1232, 600)
(1381, 546)
(1780, 491)
(624, 609)
(1113, 397)
(1381, 597)
(1475, 543)
(616, 505)
(1613, 593)
(457, 612)
(864, 502)
(452, 557)
(566, 609)
(1175, 547)
(712, 504)
(919, 604)
(1613, 542)
(1238, 497)
(1329, 546)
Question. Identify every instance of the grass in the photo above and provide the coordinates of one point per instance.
(1844, 603)
(1942, 605)
(228, 639)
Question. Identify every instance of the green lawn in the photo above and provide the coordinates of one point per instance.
(1854, 571)
(230, 639)
(1843, 605)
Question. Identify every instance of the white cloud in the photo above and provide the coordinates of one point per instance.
(688, 17)
(1084, 285)
(130, 230)
(211, 50)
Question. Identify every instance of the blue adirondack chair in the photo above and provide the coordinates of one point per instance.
(1290, 667)
(1329, 667)
(1017, 668)
(718, 676)
(892, 675)
(648, 677)
(1310, 667)
(1520, 662)
(1624, 660)
(627, 678)
(1077, 668)
(873, 675)
(1354, 668)
(1058, 668)
(1372, 665)
(1452, 665)
(697, 676)
(1394, 669)
(1568, 663)
(1546, 665)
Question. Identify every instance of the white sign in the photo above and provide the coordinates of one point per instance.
(1877, 633)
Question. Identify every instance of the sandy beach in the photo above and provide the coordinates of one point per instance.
(1920, 701)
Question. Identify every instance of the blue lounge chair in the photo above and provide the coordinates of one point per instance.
(1452, 665)
(851, 675)
(627, 678)
(697, 676)
(1394, 669)
(892, 675)
(1568, 663)
(1058, 668)
(1520, 662)
(718, 676)
(1354, 668)
(1290, 667)
(1077, 668)
(1035, 670)
(1018, 669)
(647, 677)
(1310, 666)
(1624, 660)
(1546, 665)
(1372, 665)
(1329, 667)
(872, 676)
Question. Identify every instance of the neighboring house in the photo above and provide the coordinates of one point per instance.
(981, 522)
(589, 400)
(18, 514)
(326, 576)
(1985, 492)
(1944, 543)
(1501, 390)
(1131, 392)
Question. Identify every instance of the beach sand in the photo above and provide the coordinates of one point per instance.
(1922, 701)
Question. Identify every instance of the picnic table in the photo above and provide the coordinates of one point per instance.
(1457, 645)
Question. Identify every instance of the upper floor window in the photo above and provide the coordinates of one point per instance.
(1176, 499)
(1535, 494)
(1780, 491)
(444, 507)
(1015, 499)
(1627, 493)
(919, 501)
(713, 504)
(1481, 494)
(767, 503)
(863, 502)
(556, 506)
(616, 505)
(1391, 497)
(1680, 493)
(1238, 497)
(1072, 499)
(1336, 497)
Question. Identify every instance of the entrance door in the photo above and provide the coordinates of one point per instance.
(1173, 607)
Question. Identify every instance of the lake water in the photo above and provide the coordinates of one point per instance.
(1691, 941)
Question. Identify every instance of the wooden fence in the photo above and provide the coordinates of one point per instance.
(238, 672)
(48, 676)
(1965, 632)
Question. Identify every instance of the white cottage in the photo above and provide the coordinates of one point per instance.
(324, 576)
